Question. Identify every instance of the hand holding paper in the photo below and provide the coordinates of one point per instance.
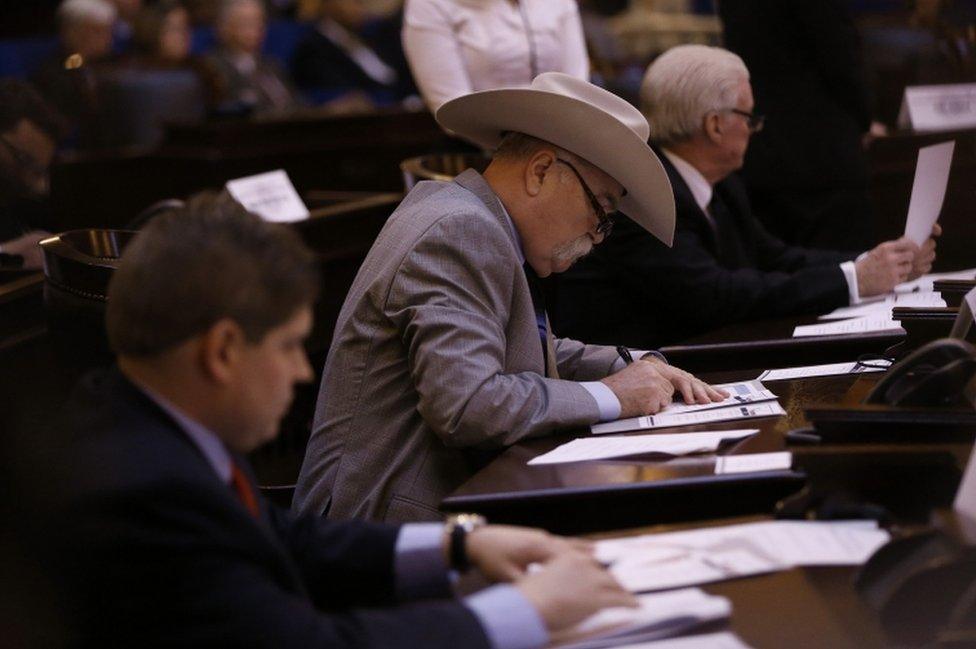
(928, 190)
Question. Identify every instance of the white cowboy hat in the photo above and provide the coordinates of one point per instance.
(575, 115)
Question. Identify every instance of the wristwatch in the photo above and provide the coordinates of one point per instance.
(458, 528)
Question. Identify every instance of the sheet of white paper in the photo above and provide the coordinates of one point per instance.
(673, 559)
(753, 462)
(928, 190)
(270, 195)
(604, 448)
(868, 324)
(720, 640)
(658, 615)
(830, 369)
(748, 411)
(925, 282)
(739, 393)
(942, 107)
(884, 307)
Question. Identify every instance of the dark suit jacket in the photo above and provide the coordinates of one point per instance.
(163, 553)
(320, 64)
(636, 291)
(807, 74)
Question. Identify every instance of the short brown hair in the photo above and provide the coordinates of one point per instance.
(203, 262)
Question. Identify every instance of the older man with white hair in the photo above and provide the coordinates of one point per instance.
(724, 266)
(443, 353)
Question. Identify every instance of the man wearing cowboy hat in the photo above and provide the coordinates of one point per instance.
(442, 352)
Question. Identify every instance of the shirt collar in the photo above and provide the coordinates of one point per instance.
(207, 442)
(701, 189)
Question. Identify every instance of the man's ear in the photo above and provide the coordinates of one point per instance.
(712, 126)
(220, 350)
(536, 169)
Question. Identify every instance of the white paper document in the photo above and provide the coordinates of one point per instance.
(269, 195)
(693, 557)
(659, 615)
(867, 324)
(926, 282)
(884, 307)
(830, 369)
(739, 393)
(665, 420)
(928, 190)
(720, 640)
(942, 107)
(753, 462)
(605, 448)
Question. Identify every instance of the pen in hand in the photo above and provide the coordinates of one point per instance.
(625, 355)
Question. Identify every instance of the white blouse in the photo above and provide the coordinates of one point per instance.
(456, 47)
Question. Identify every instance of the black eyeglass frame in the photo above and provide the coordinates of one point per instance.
(605, 219)
(754, 122)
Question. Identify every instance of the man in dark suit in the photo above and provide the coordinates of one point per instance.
(724, 266)
(165, 538)
(809, 78)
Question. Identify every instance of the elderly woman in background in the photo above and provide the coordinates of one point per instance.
(456, 47)
(248, 80)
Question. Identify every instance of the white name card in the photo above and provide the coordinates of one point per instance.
(269, 195)
(938, 108)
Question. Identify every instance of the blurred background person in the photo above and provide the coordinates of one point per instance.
(126, 12)
(338, 56)
(162, 35)
(68, 78)
(456, 47)
(248, 81)
(29, 132)
(806, 172)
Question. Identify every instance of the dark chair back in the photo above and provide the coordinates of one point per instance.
(440, 166)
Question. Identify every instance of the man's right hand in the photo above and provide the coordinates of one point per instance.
(570, 588)
(886, 266)
(640, 388)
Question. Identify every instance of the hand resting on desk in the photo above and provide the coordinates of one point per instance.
(647, 386)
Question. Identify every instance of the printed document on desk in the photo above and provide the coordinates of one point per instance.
(666, 420)
(607, 448)
(658, 615)
(719, 640)
(926, 282)
(884, 307)
(928, 190)
(830, 369)
(700, 556)
(868, 324)
(739, 393)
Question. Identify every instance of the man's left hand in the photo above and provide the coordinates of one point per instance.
(926, 255)
(692, 389)
(503, 552)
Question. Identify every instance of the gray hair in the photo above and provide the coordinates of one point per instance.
(71, 12)
(684, 84)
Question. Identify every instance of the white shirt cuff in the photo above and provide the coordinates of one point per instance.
(850, 276)
(419, 569)
(606, 400)
(508, 618)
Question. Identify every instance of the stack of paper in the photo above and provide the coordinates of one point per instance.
(867, 324)
(830, 369)
(747, 400)
(605, 448)
(660, 615)
(925, 282)
(720, 640)
(884, 306)
(677, 559)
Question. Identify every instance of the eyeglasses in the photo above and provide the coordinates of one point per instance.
(604, 218)
(754, 122)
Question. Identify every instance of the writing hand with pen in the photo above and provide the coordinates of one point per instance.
(648, 385)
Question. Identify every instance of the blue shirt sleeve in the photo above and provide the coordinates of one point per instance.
(419, 567)
(508, 618)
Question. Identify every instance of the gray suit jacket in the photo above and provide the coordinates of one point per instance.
(436, 358)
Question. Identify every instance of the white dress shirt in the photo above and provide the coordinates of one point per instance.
(456, 47)
(701, 191)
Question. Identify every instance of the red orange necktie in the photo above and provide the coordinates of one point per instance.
(242, 487)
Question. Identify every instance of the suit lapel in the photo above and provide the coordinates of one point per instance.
(687, 206)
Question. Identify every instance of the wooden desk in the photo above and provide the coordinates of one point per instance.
(588, 496)
(770, 344)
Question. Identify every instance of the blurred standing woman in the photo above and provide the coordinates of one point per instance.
(456, 47)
